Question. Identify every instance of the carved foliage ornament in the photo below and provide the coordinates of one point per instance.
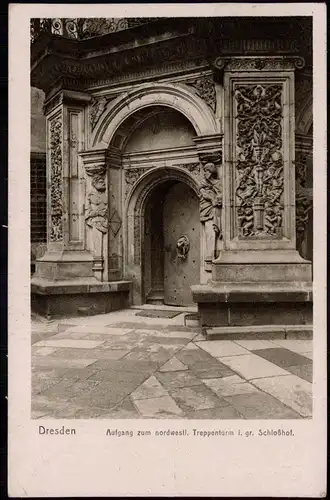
(132, 175)
(96, 214)
(56, 188)
(210, 194)
(98, 105)
(259, 177)
(205, 88)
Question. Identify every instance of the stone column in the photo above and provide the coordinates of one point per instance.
(67, 256)
(259, 175)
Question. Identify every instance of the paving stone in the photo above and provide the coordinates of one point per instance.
(308, 354)
(50, 362)
(86, 353)
(36, 414)
(230, 386)
(159, 357)
(113, 377)
(41, 381)
(171, 341)
(124, 410)
(256, 344)
(62, 327)
(174, 380)
(211, 369)
(220, 348)
(173, 365)
(199, 338)
(220, 413)
(106, 394)
(282, 357)
(67, 389)
(191, 347)
(190, 356)
(198, 397)
(303, 371)
(261, 406)
(295, 345)
(41, 403)
(105, 330)
(126, 365)
(43, 351)
(252, 366)
(291, 390)
(151, 388)
(78, 344)
(161, 407)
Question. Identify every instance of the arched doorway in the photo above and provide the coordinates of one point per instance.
(171, 244)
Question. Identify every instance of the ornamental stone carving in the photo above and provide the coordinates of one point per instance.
(56, 187)
(259, 175)
(96, 214)
(98, 105)
(205, 88)
(258, 63)
(132, 175)
(210, 194)
(304, 197)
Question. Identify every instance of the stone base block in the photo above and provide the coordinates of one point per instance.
(80, 298)
(254, 304)
(302, 332)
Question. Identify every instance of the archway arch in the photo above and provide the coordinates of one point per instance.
(135, 213)
(174, 96)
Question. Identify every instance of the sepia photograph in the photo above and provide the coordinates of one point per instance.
(171, 180)
(167, 250)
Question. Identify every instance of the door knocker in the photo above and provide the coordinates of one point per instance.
(182, 247)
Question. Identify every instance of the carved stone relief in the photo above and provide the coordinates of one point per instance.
(259, 176)
(304, 197)
(96, 214)
(132, 175)
(258, 63)
(56, 188)
(98, 105)
(205, 88)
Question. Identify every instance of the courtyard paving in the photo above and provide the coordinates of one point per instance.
(120, 365)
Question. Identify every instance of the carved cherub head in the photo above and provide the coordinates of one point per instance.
(210, 170)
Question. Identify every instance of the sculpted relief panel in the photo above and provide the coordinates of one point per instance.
(96, 214)
(56, 187)
(259, 175)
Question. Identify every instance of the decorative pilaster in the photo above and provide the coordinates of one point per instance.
(66, 256)
(259, 160)
(304, 193)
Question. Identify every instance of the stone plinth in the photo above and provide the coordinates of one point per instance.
(248, 304)
(78, 297)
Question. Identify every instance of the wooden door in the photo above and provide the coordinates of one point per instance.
(181, 218)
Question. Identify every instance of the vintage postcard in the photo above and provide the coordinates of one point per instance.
(167, 250)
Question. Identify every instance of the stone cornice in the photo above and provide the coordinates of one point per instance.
(170, 40)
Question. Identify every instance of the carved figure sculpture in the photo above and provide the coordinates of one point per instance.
(211, 202)
(97, 209)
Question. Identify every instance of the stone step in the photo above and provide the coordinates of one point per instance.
(259, 332)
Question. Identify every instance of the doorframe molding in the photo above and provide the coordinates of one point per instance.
(134, 220)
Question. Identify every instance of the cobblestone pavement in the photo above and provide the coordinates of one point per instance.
(120, 365)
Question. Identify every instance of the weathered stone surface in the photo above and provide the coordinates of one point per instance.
(198, 397)
(261, 404)
(302, 371)
(291, 390)
(230, 386)
(282, 357)
(151, 388)
(161, 407)
(174, 380)
(251, 366)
